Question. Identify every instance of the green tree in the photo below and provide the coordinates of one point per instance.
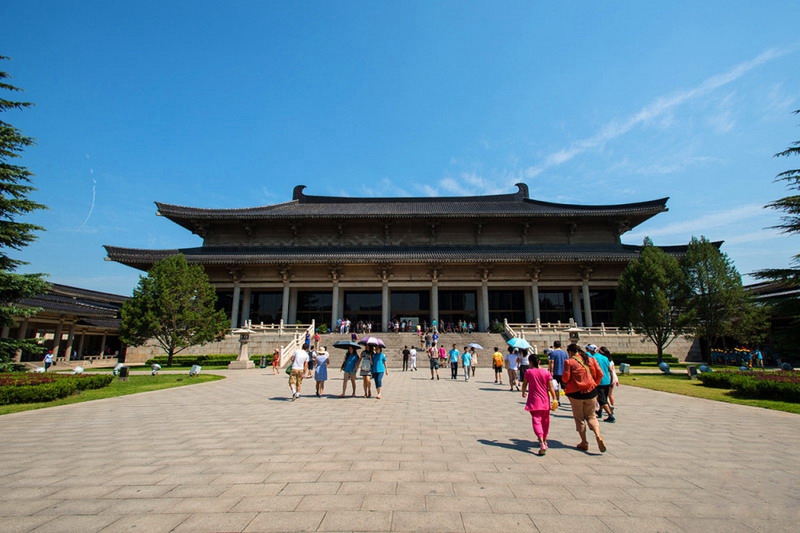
(788, 277)
(719, 306)
(173, 304)
(650, 296)
(15, 186)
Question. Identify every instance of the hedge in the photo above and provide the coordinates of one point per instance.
(32, 388)
(783, 385)
(633, 359)
(203, 360)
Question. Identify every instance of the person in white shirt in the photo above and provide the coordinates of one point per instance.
(512, 366)
(413, 358)
(299, 369)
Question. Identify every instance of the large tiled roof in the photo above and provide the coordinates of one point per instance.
(492, 206)
(62, 299)
(225, 255)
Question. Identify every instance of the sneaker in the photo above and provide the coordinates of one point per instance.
(294, 396)
(598, 413)
(610, 419)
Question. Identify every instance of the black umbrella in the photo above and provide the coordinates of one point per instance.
(346, 344)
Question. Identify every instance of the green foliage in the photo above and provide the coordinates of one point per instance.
(203, 360)
(720, 307)
(322, 329)
(173, 304)
(497, 327)
(783, 386)
(650, 296)
(32, 388)
(15, 186)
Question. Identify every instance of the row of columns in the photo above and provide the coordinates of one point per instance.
(583, 316)
(57, 337)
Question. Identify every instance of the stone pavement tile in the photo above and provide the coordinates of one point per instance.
(77, 492)
(368, 487)
(293, 477)
(644, 494)
(12, 482)
(212, 522)
(139, 505)
(180, 479)
(648, 508)
(457, 504)
(76, 507)
(350, 475)
(152, 523)
(482, 490)
(84, 523)
(587, 506)
(27, 493)
(720, 525)
(495, 523)
(327, 466)
(502, 478)
(393, 502)
(484, 466)
(447, 476)
(250, 489)
(262, 504)
(327, 487)
(285, 521)
(640, 524)
(376, 465)
(228, 479)
(23, 524)
(432, 522)
(197, 491)
(397, 475)
(572, 523)
(423, 488)
(664, 482)
(140, 491)
(23, 507)
(330, 502)
(522, 506)
(602, 481)
(424, 466)
(356, 521)
(204, 505)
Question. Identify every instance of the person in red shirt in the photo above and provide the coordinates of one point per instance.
(581, 376)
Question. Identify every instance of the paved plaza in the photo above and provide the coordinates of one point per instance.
(437, 456)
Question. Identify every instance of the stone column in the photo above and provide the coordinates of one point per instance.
(6, 331)
(587, 304)
(537, 311)
(57, 338)
(434, 298)
(285, 303)
(334, 305)
(385, 304)
(576, 306)
(235, 305)
(80, 345)
(483, 307)
(528, 306)
(246, 304)
(70, 342)
(21, 332)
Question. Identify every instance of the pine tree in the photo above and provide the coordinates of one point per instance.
(15, 186)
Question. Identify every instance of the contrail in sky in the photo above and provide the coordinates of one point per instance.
(91, 207)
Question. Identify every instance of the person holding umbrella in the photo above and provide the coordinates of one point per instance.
(472, 347)
(349, 366)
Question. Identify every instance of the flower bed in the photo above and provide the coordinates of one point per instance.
(18, 387)
(783, 386)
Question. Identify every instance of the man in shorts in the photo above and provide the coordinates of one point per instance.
(497, 364)
(299, 369)
(349, 368)
(557, 357)
(433, 356)
(512, 366)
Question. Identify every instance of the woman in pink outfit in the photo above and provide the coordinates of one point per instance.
(539, 383)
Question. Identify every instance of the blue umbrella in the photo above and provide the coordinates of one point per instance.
(518, 342)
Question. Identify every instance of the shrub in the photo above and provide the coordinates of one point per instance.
(497, 327)
(187, 361)
(31, 388)
(322, 329)
(782, 386)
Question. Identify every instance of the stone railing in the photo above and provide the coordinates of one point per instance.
(288, 350)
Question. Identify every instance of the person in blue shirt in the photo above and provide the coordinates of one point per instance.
(604, 386)
(349, 368)
(466, 362)
(454, 355)
(378, 369)
(557, 356)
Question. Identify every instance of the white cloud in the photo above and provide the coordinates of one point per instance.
(697, 226)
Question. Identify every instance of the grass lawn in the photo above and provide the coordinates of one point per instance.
(680, 384)
(133, 385)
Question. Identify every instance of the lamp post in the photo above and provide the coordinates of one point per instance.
(242, 362)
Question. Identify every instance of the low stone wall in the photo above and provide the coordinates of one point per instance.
(685, 349)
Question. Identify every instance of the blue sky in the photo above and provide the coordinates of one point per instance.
(232, 104)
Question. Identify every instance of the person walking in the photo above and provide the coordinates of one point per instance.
(512, 366)
(466, 362)
(454, 355)
(413, 354)
(365, 370)
(321, 370)
(48, 360)
(349, 368)
(497, 364)
(433, 358)
(276, 361)
(556, 358)
(604, 385)
(474, 361)
(581, 375)
(406, 356)
(378, 370)
(537, 385)
(298, 371)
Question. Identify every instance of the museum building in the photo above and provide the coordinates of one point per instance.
(479, 259)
